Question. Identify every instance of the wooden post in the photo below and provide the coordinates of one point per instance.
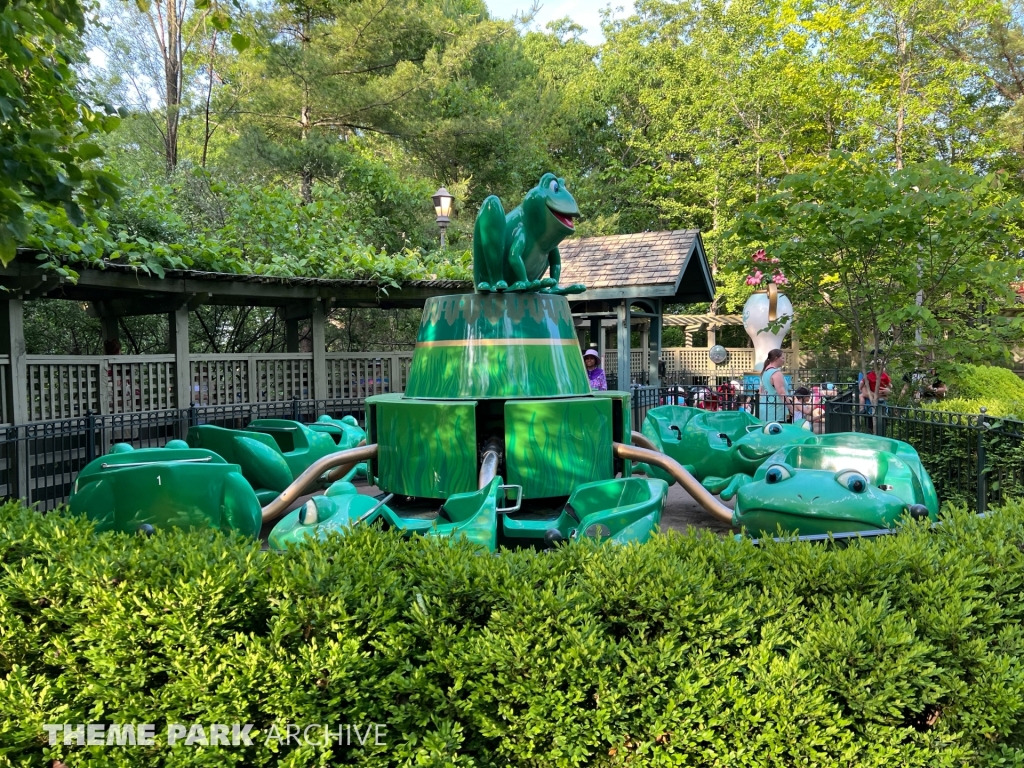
(291, 335)
(319, 352)
(111, 340)
(12, 344)
(622, 323)
(645, 350)
(178, 322)
(654, 341)
(596, 335)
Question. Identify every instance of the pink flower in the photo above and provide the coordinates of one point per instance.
(774, 260)
(779, 279)
(759, 255)
(755, 279)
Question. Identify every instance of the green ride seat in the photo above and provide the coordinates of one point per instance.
(165, 487)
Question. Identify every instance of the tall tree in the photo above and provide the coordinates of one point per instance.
(46, 123)
(332, 70)
(916, 262)
(160, 58)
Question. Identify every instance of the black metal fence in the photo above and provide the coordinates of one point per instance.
(972, 458)
(39, 462)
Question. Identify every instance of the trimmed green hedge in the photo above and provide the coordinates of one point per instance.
(689, 650)
(1000, 390)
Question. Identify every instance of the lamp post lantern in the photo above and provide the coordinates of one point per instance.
(443, 207)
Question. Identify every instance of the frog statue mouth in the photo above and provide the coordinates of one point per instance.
(565, 219)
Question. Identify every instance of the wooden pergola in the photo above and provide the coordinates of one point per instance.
(120, 291)
(624, 274)
(621, 272)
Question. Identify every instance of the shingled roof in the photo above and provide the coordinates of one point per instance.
(667, 264)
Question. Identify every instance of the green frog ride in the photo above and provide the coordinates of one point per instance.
(498, 437)
(722, 449)
(817, 489)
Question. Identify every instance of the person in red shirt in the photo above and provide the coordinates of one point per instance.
(867, 389)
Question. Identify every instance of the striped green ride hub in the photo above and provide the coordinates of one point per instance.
(497, 345)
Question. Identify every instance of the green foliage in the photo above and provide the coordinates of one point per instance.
(688, 650)
(988, 382)
(923, 251)
(199, 221)
(46, 126)
(999, 390)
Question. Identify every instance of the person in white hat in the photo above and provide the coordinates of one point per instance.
(593, 362)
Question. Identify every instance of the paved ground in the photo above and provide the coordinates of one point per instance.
(681, 511)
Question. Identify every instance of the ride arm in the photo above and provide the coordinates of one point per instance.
(690, 484)
(312, 476)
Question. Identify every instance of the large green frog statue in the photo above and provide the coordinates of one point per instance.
(512, 252)
(722, 449)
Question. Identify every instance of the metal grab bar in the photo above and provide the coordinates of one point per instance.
(638, 439)
(339, 472)
(690, 484)
(314, 471)
(151, 463)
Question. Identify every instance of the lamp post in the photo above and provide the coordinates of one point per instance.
(443, 207)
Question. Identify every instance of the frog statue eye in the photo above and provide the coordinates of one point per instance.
(553, 186)
(773, 429)
(777, 473)
(852, 480)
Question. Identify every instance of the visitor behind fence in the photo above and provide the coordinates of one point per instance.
(772, 390)
(867, 389)
(804, 408)
(595, 372)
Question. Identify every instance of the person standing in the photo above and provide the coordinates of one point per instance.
(772, 390)
(595, 373)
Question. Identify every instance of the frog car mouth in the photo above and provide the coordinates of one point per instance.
(752, 454)
(565, 219)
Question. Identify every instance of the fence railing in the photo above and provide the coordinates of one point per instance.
(67, 387)
(975, 459)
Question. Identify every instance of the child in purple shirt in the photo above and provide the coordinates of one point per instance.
(594, 371)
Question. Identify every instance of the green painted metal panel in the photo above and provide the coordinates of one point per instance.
(497, 346)
(551, 446)
(425, 448)
(625, 423)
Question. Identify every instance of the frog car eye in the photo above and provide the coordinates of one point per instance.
(773, 429)
(777, 473)
(852, 480)
(553, 186)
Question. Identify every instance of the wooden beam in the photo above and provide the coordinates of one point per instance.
(319, 352)
(142, 305)
(179, 348)
(113, 283)
(623, 351)
(12, 344)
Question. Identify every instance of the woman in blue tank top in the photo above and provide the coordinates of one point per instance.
(772, 392)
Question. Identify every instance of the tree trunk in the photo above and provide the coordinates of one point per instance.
(209, 95)
(172, 84)
(904, 87)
